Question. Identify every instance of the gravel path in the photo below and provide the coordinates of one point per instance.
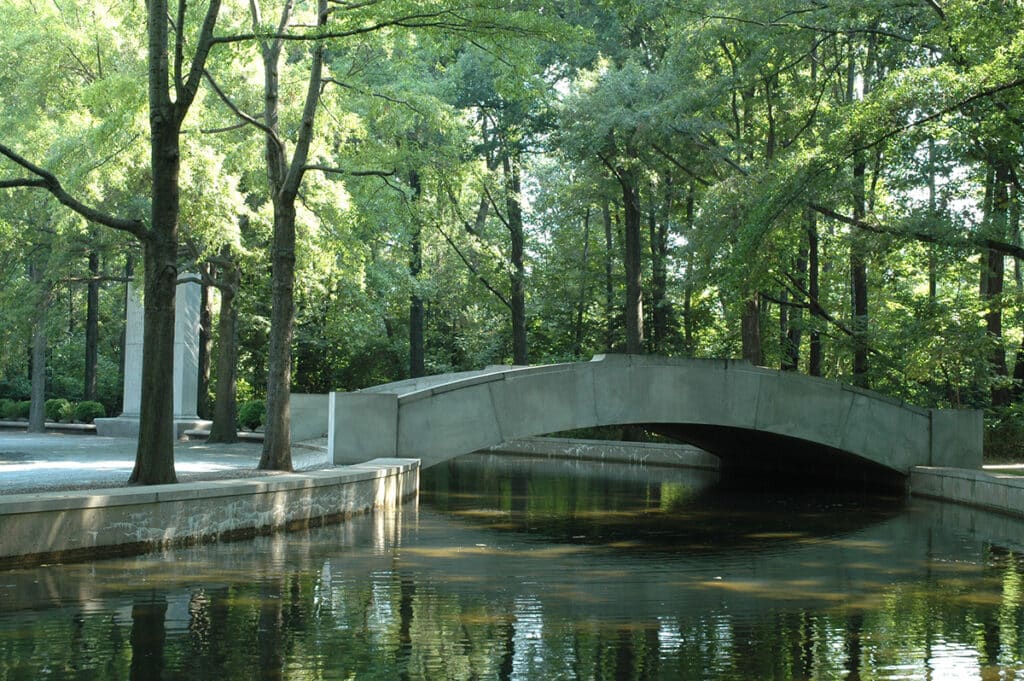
(33, 463)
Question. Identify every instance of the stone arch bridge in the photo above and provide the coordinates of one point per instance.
(751, 417)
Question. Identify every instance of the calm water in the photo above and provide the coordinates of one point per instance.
(550, 570)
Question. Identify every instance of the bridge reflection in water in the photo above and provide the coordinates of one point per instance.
(751, 417)
(530, 569)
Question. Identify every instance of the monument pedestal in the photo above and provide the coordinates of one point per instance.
(128, 426)
(186, 365)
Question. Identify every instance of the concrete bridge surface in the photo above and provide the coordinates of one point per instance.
(751, 417)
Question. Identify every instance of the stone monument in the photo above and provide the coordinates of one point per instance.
(186, 365)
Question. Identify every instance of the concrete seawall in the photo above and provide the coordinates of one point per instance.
(988, 490)
(59, 526)
(980, 489)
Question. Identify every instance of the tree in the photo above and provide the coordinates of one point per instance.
(171, 93)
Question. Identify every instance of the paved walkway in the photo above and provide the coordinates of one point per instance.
(49, 462)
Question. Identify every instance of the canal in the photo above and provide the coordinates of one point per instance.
(543, 569)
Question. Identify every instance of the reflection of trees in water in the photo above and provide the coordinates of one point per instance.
(395, 625)
(324, 612)
(148, 634)
(630, 508)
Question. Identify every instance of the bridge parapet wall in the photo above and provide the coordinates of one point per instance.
(439, 419)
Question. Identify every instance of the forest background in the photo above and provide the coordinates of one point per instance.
(375, 189)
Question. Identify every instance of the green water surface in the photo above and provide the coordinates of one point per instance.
(534, 569)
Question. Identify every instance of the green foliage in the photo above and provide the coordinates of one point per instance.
(22, 409)
(15, 388)
(8, 408)
(1004, 434)
(87, 411)
(251, 414)
(58, 409)
(729, 117)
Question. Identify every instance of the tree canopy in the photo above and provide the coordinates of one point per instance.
(420, 186)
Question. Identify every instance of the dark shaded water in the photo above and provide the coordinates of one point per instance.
(529, 569)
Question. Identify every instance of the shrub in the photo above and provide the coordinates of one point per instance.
(58, 409)
(15, 388)
(252, 414)
(88, 410)
(24, 409)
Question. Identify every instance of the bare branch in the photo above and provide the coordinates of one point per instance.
(938, 8)
(353, 173)
(968, 243)
(23, 182)
(97, 280)
(678, 164)
(250, 120)
(354, 5)
(295, 172)
(472, 268)
(226, 128)
(369, 93)
(48, 181)
(497, 211)
(179, 44)
(939, 113)
(421, 20)
(190, 88)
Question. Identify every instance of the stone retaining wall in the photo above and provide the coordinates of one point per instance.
(59, 526)
(978, 488)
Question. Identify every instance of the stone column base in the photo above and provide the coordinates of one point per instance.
(128, 426)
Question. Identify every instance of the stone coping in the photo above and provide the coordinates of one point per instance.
(203, 489)
(79, 525)
(85, 428)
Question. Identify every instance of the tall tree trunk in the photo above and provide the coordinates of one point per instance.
(815, 355)
(277, 429)
(37, 410)
(859, 281)
(285, 179)
(661, 306)
(794, 333)
(581, 303)
(1015, 229)
(750, 325)
(225, 409)
(154, 458)
(688, 321)
(933, 216)
(633, 263)
(784, 329)
(993, 263)
(92, 324)
(609, 284)
(417, 315)
(514, 208)
(858, 249)
(205, 343)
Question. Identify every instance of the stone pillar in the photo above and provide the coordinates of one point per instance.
(186, 364)
(187, 302)
(133, 353)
